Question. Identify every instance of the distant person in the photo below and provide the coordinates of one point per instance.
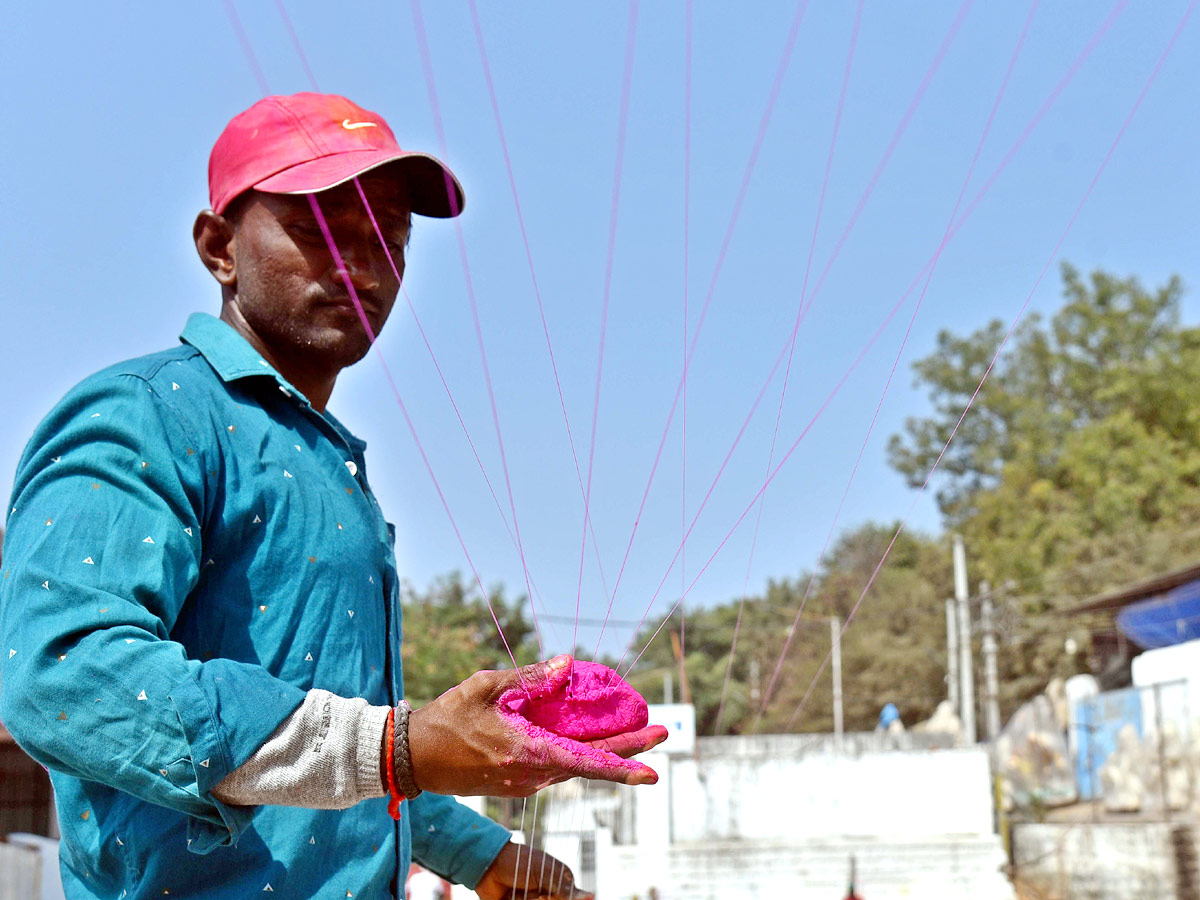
(199, 611)
(889, 720)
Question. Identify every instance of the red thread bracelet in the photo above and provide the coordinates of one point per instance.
(396, 797)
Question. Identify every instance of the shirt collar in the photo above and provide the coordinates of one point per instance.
(233, 358)
(230, 354)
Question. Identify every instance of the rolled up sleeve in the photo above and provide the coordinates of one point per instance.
(103, 549)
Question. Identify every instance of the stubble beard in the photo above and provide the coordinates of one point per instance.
(303, 342)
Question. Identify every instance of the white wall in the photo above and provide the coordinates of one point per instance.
(930, 869)
(20, 872)
(1089, 861)
(780, 816)
(898, 793)
(1177, 670)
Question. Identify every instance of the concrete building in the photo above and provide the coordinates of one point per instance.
(786, 816)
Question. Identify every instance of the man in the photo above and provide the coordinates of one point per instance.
(198, 609)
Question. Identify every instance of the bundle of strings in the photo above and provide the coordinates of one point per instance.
(806, 299)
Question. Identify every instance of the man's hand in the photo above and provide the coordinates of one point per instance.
(465, 742)
(523, 871)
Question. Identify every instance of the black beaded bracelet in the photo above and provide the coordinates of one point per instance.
(402, 758)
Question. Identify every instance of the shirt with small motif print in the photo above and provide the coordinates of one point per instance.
(190, 548)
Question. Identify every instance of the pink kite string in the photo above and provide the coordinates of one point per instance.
(441, 375)
(687, 201)
(1004, 343)
(1012, 63)
(346, 280)
(812, 246)
(725, 462)
(446, 387)
(1047, 104)
(295, 38)
(253, 61)
(731, 227)
(291, 30)
(770, 377)
(753, 500)
(247, 50)
(452, 197)
(983, 192)
(622, 124)
(879, 171)
(433, 356)
(875, 176)
(939, 56)
(512, 183)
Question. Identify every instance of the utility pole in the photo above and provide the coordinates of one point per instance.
(835, 634)
(952, 657)
(685, 691)
(966, 666)
(991, 679)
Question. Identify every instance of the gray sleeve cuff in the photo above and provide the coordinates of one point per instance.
(325, 755)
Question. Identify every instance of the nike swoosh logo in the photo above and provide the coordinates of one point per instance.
(348, 125)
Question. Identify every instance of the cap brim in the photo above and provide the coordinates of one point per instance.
(432, 187)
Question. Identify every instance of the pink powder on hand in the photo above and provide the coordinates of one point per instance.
(594, 703)
(558, 717)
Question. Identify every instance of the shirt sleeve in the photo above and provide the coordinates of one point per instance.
(103, 549)
(325, 755)
(452, 840)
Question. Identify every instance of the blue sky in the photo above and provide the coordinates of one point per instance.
(112, 109)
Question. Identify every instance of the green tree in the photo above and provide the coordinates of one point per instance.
(1114, 347)
(449, 635)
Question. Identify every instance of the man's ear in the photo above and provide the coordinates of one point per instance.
(215, 243)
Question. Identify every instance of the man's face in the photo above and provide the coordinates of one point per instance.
(290, 291)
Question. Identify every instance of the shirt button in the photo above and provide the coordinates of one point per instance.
(350, 464)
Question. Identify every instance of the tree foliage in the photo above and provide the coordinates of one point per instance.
(449, 635)
(1084, 444)
(891, 653)
(1114, 349)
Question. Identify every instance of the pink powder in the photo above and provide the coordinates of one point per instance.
(593, 703)
(574, 705)
(578, 758)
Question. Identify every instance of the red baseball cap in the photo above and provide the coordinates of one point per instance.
(304, 143)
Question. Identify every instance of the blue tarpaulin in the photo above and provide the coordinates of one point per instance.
(1170, 618)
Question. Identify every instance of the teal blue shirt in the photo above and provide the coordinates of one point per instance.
(190, 548)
